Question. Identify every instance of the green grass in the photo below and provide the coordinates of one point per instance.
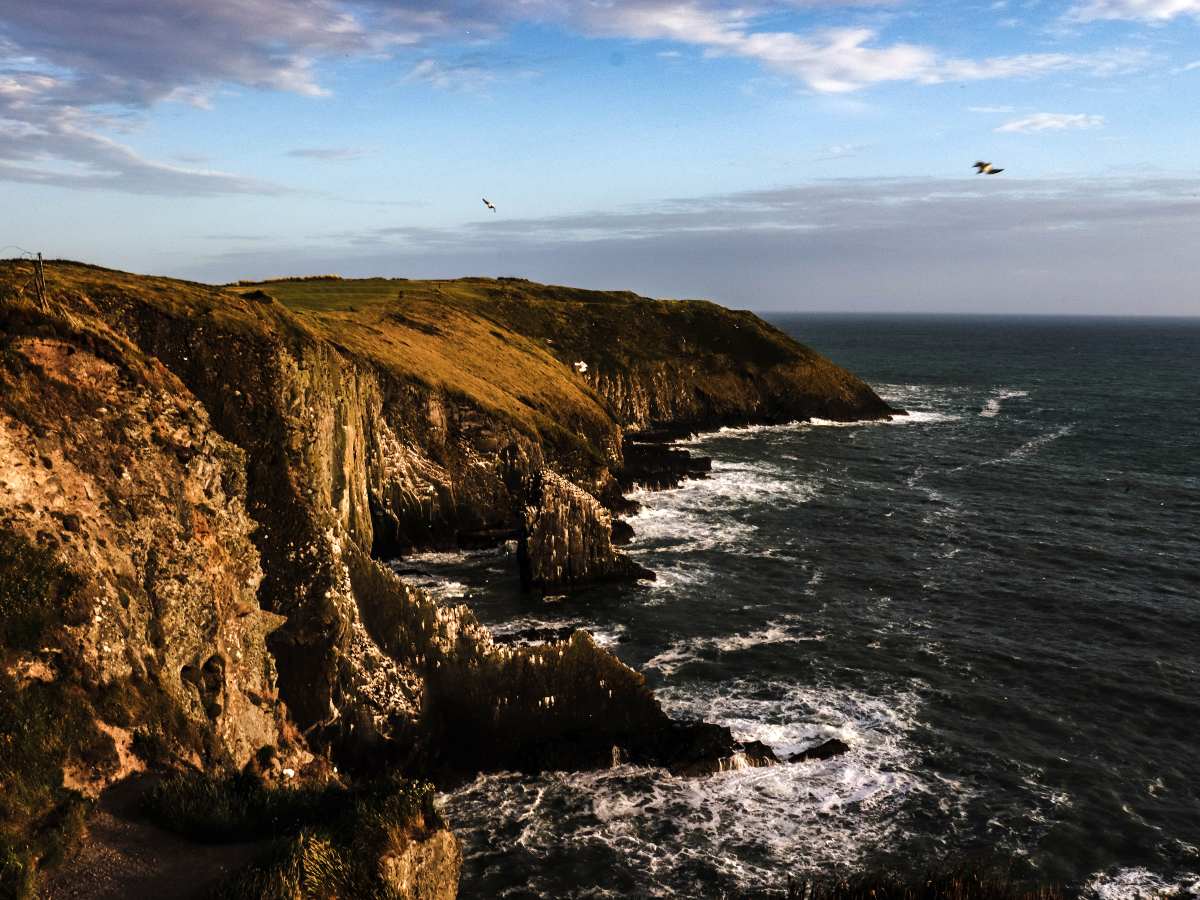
(239, 807)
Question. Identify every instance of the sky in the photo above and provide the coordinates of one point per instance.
(789, 155)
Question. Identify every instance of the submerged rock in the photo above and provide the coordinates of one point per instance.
(657, 466)
(827, 750)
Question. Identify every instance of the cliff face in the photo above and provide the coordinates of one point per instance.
(130, 626)
(215, 471)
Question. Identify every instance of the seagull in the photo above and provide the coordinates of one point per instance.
(488, 204)
(986, 168)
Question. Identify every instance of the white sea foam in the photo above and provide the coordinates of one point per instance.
(914, 417)
(439, 558)
(513, 628)
(1140, 884)
(991, 408)
(435, 585)
(695, 517)
(690, 650)
(746, 432)
(745, 824)
(1031, 447)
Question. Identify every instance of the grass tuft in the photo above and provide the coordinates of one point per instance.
(329, 839)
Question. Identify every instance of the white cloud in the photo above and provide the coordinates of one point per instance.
(63, 61)
(1051, 122)
(989, 109)
(1143, 10)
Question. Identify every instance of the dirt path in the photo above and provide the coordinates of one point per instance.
(124, 857)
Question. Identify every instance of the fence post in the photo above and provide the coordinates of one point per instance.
(39, 280)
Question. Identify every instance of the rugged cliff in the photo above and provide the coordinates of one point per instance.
(196, 484)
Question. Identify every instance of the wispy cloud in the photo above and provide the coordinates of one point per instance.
(840, 151)
(989, 109)
(1046, 121)
(1144, 10)
(328, 154)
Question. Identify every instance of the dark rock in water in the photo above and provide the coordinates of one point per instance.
(658, 467)
(486, 538)
(759, 754)
(662, 434)
(694, 749)
(832, 747)
(622, 532)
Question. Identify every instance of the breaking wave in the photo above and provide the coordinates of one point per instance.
(991, 408)
(651, 829)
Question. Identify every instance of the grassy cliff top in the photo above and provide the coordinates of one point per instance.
(506, 345)
(614, 328)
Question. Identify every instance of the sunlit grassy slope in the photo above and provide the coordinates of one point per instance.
(507, 346)
(452, 335)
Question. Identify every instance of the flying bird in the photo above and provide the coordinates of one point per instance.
(986, 168)
(488, 204)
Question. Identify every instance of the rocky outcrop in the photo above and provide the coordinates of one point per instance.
(566, 538)
(651, 463)
(425, 869)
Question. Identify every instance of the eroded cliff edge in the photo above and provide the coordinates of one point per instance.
(197, 483)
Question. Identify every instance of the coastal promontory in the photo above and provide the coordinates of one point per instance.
(201, 487)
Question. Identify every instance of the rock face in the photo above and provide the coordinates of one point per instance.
(201, 482)
(107, 461)
(566, 538)
(425, 869)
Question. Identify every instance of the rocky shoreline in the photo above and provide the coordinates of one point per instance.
(197, 483)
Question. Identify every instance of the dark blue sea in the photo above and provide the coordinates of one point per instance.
(994, 601)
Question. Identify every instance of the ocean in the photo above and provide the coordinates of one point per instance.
(995, 601)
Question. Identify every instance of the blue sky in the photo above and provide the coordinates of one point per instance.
(785, 155)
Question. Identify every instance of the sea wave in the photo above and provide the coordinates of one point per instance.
(1030, 447)
(525, 630)
(748, 432)
(694, 516)
(649, 830)
(1139, 884)
(991, 408)
(690, 650)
